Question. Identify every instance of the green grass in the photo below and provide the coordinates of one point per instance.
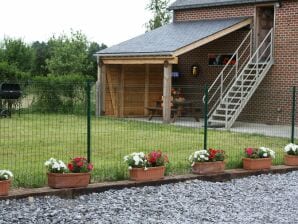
(28, 140)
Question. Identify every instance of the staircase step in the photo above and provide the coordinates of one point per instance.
(221, 115)
(231, 104)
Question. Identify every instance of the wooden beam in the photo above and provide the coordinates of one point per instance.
(103, 88)
(147, 80)
(167, 86)
(121, 92)
(112, 94)
(139, 60)
(100, 89)
(213, 37)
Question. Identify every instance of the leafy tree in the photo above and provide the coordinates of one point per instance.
(93, 48)
(41, 53)
(68, 55)
(17, 53)
(161, 16)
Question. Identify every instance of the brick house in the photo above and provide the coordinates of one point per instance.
(244, 50)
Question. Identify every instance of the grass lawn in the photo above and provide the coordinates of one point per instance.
(28, 140)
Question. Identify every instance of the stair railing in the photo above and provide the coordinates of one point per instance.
(258, 65)
(229, 73)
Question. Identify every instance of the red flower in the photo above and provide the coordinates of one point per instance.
(212, 153)
(78, 159)
(70, 167)
(90, 167)
(80, 163)
(249, 151)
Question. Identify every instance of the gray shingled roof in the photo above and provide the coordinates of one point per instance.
(166, 40)
(188, 4)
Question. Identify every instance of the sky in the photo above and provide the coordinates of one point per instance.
(103, 21)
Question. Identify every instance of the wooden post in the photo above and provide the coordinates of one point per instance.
(121, 92)
(167, 85)
(146, 98)
(98, 105)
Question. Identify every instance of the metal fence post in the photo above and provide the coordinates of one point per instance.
(205, 116)
(88, 92)
(293, 115)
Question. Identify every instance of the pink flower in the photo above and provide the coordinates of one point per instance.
(90, 167)
(249, 151)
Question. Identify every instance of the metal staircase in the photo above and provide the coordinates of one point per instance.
(238, 81)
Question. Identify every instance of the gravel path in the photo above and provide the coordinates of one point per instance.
(261, 199)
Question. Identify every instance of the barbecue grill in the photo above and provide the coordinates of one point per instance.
(8, 93)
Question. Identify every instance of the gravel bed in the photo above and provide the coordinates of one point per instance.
(257, 199)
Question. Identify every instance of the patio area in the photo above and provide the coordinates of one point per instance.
(240, 127)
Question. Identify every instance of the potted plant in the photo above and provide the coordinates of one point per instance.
(76, 174)
(146, 167)
(211, 161)
(258, 158)
(5, 181)
(291, 157)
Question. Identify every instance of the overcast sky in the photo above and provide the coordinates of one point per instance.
(103, 21)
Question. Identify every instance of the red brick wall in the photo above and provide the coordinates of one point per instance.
(207, 74)
(214, 13)
(271, 103)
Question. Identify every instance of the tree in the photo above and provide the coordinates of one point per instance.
(68, 55)
(17, 53)
(41, 53)
(93, 48)
(161, 16)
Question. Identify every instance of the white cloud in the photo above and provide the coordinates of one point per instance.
(107, 21)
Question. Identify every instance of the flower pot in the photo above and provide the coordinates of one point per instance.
(256, 164)
(291, 160)
(4, 187)
(152, 173)
(208, 167)
(68, 180)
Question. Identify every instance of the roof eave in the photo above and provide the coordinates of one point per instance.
(218, 4)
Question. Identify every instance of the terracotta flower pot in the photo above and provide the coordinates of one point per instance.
(4, 187)
(68, 180)
(208, 167)
(256, 164)
(291, 160)
(152, 173)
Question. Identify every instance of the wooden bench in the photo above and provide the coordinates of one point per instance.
(157, 111)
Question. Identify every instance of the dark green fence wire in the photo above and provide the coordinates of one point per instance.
(52, 120)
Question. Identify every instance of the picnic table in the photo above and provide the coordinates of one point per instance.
(178, 109)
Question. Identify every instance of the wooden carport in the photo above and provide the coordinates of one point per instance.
(148, 59)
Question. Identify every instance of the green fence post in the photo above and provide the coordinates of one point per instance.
(293, 115)
(88, 90)
(205, 116)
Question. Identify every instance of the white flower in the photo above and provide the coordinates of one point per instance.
(291, 147)
(129, 168)
(265, 154)
(5, 174)
(126, 158)
(272, 153)
(141, 154)
(202, 156)
(137, 160)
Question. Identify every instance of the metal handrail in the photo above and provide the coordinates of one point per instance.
(221, 79)
(264, 64)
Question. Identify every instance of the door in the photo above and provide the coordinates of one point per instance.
(264, 23)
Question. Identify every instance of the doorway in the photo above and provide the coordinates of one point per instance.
(264, 22)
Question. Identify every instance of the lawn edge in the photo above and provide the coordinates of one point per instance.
(228, 175)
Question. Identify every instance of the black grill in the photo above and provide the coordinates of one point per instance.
(10, 91)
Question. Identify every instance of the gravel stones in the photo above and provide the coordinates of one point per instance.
(257, 199)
